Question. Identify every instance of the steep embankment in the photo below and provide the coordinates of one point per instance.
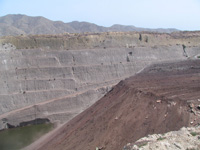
(57, 77)
(161, 98)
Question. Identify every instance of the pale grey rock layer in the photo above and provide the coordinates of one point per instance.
(59, 84)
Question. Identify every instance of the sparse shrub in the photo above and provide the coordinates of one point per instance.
(140, 37)
(146, 39)
(183, 47)
(161, 138)
(127, 59)
(193, 133)
(184, 52)
(142, 144)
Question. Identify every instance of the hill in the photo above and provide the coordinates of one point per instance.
(162, 98)
(22, 24)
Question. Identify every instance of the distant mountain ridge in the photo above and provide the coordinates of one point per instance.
(22, 24)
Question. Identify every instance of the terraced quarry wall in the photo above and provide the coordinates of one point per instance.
(57, 77)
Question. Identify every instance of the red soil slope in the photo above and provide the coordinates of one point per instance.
(162, 98)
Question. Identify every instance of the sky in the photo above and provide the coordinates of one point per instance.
(179, 14)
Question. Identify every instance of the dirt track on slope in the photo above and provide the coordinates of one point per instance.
(161, 98)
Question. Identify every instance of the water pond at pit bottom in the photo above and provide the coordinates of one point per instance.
(17, 138)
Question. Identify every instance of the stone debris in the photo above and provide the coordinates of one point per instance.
(158, 101)
(191, 105)
(100, 148)
(194, 108)
(116, 118)
(184, 139)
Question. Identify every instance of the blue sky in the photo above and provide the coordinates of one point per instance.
(180, 14)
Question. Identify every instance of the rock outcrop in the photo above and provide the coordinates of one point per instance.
(57, 77)
(184, 139)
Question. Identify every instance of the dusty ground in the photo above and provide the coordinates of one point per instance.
(160, 99)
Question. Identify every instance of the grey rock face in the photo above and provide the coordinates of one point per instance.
(6, 47)
(60, 84)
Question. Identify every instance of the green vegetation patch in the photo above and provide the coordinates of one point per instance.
(17, 138)
(141, 144)
(194, 133)
(161, 138)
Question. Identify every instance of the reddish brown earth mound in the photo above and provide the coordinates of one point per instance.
(161, 98)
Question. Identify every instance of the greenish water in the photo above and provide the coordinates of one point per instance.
(17, 138)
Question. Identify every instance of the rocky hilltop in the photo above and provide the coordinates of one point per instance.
(22, 24)
(55, 77)
(163, 97)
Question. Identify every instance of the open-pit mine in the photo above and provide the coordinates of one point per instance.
(53, 78)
